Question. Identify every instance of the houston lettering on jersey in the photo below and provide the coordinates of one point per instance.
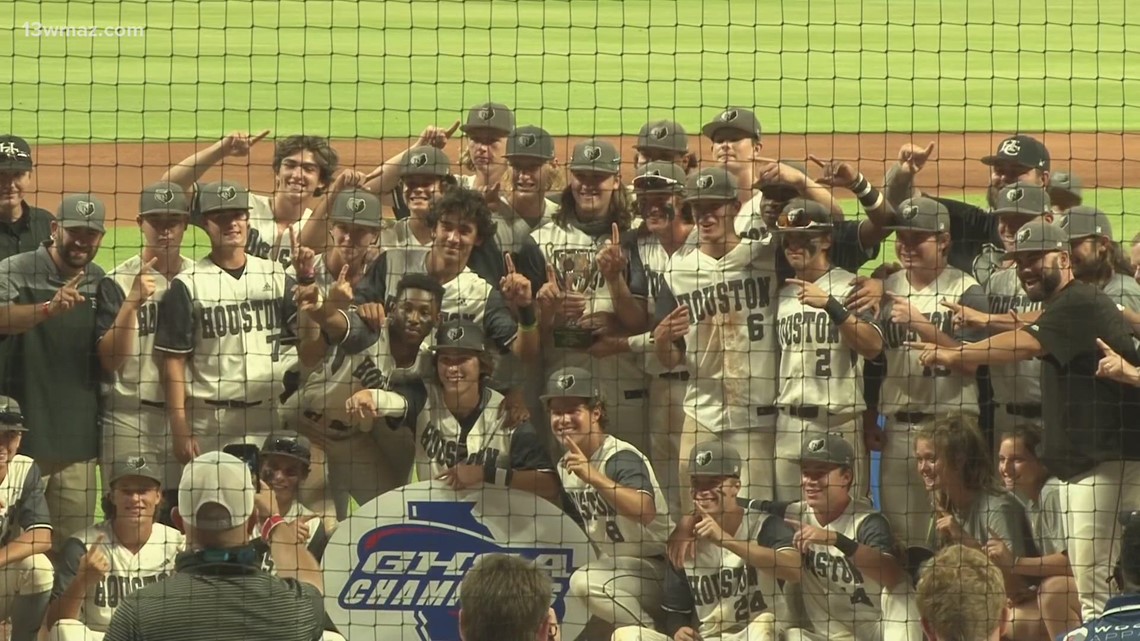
(727, 297)
(591, 505)
(241, 318)
(112, 589)
(725, 583)
(808, 328)
(838, 570)
(1000, 304)
(448, 452)
(897, 334)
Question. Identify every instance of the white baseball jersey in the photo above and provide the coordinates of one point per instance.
(399, 235)
(316, 534)
(233, 327)
(731, 348)
(22, 503)
(835, 592)
(655, 260)
(908, 386)
(613, 534)
(266, 239)
(816, 367)
(129, 571)
(724, 592)
(1020, 382)
(138, 378)
(749, 223)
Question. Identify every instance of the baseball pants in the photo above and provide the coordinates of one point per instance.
(757, 449)
(25, 588)
(369, 464)
(666, 422)
(1092, 504)
(139, 432)
(762, 628)
(621, 590)
(69, 489)
(790, 440)
(906, 503)
(216, 425)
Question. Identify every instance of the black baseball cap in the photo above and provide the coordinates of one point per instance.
(1085, 222)
(11, 417)
(222, 196)
(288, 444)
(490, 115)
(714, 458)
(735, 118)
(357, 207)
(1065, 184)
(1022, 150)
(715, 184)
(662, 135)
(460, 335)
(425, 161)
(530, 141)
(15, 154)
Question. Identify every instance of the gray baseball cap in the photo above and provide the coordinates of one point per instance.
(15, 153)
(530, 141)
(357, 207)
(1065, 184)
(490, 115)
(828, 448)
(222, 196)
(11, 417)
(662, 135)
(802, 215)
(714, 458)
(163, 198)
(740, 120)
(125, 466)
(921, 214)
(459, 334)
(1038, 236)
(711, 184)
(1024, 199)
(571, 382)
(659, 177)
(425, 160)
(595, 155)
(1082, 222)
(82, 211)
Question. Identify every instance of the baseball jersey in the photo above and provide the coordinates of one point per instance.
(835, 592)
(318, 536)
(908, 386)
(749, 223)
(1017, 383)
(613, 534)
(233, 325)
(444, 440)
(129, 571)
(1046, 518)
(731, 348)
(138, 378)
(655, 260)
(399, 234)
(266, 240)
(22, 503)
(719, 587)
(816, 368)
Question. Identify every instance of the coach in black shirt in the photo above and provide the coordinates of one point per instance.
(1090, 441)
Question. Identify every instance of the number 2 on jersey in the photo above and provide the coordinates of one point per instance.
(748, 605)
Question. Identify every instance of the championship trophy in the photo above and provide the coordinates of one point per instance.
(576, 270)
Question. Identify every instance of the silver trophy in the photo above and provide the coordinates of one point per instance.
(577, 271)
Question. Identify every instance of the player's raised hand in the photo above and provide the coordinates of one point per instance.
(808, 535)
(373, 315)
(302, 531)
(932, 355)
(1113, 366)
(707, 528)
(348, 179)
(239, 143)
(673, 327)
(810, 294)
(965, 317)
(912, 158)
(514, 286)
(779, 173)
(437, 136)
(362, 405)
(340, 293)
(492, 195)
(611, 259)
(576, 462)
(94, 565)
(143, 286)
(67, 296)
(304, 262)
(265, 502)
(307, 298)
(903, 312)
(836, 173)
(866, 295)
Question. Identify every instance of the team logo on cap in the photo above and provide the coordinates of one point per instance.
(227, 192)
(794, 215)
(136, 462)
(592, 153)
(454, 334)
(163, 195)
(486, 113)
(1024, 234)
(419, 160)
(9, 149)
(653, 172)
(357, 205)
(704, 458)
(1015, 194)
(659, 133)
(1010, 147)
(85, 208)
(910, 212)
(706, 182)
(526, 140)
(565, 382)
(816, 445)
(729, 116)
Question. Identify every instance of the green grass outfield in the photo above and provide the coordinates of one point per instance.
(385, 68)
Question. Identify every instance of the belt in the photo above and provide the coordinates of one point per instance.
(912, 417)
(674, 376)
(334, 425)
(1024, 410)
(766, 410)
(158, 404)
(805, 411)
(233, 405)
(634, 394)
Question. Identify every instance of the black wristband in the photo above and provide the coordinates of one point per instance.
(835, 309)
(860, 185)
(872, 199)
(490, 467)
(527, 317)
(847, 546)
(306, 280)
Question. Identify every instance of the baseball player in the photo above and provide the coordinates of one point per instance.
(486, 128)
(913, 394)
(106, 562)
(303, 167)
(610, 488)
(822, 344)
(126, 315)
(1097, 258)
(283, 463)
(728, 589)
(531, 175)
(663, 141)
(717, 316)
(221, 332)
(1064, 191)
(461, 436)
(363, 461)
(25, 226)
(425, 174)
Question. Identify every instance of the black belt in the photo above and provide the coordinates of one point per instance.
(334, 425)
(1024, 410)
(233, 405)
(805, 411)
(159, 404)
(674, 376)
(767, 410)
(634, 394)
(912, 417)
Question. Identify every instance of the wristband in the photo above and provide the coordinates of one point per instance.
(503, 477)
(527, 317)
(871, 200)
(860, 185)
(306, 280)
(45, 309)
(268, 525)
(845, 545)
(835, 309)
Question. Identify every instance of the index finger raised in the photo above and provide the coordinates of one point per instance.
(929, 149)
(615, 234)
(74, 280)
(454, 127)
(256, 139)
(100, 540)
(1105, 347)
(343, 277)
(149, 265)
(817, 161)
(510, 262)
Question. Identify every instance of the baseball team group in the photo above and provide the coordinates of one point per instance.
(677, 349)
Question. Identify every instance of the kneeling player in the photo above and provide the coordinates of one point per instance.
(729, 588)
(614, 493)
(461, 436)
(104, 563)
(284, 462)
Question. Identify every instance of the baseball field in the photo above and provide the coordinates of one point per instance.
(850, 80)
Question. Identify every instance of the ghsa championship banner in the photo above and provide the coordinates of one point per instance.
(392, 570)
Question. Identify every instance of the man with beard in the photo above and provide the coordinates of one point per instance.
(1097, 259)
(364, 460)
(1090, 440)
(22, 227)
(47, 311)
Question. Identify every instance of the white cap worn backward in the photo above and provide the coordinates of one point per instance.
(216, 477)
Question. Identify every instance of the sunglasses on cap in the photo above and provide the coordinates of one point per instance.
(282, 445)
(11, 418)
(799, 219)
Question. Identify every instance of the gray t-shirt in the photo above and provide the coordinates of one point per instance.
(998, 511)
(1047, 520)
(1123, 291)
